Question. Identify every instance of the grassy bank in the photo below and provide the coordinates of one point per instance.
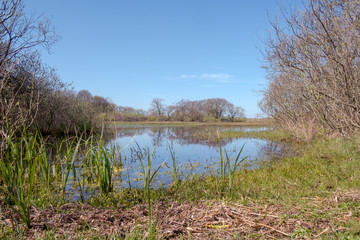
(245, 122)
(314, 193)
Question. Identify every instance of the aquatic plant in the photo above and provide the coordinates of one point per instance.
(18, 169)
(148, 177)
(231, 167)
(66, 161)
(173, 156)
(236, 164)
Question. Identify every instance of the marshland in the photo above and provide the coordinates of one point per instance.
(74, 165)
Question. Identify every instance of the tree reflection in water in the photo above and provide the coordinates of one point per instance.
(197, 146)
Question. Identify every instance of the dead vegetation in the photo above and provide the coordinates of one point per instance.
(203, 220)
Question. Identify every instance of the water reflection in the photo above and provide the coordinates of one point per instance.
(196, 148)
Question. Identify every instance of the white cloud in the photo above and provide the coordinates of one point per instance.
(218, 77)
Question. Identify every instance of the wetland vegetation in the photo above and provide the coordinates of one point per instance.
(310, 192)
(193, 170)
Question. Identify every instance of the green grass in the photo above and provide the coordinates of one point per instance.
(267, 134)
(317, 170)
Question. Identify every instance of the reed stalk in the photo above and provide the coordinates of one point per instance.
(148, 177)
(67, 162)
(236, 164)
(222, 170)
(231, 167)
(174, 164)
(18, 169)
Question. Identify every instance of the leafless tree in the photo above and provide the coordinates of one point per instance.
(157, 107)
(21, 71)
(216, 107)
(235, 112)
(169, 111)
(313, 65)
(85, 95)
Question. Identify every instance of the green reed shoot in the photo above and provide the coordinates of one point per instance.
(174, 163)
(102, 160)
(71, 153)
(18, 173)
(148, 177)
(79, 177)
(235, 166)
(231, 168)
(222, 169)
(45, 168)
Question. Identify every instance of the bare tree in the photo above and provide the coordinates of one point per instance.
(216, 107)
(20, 66)
(235, 112)
(313, 69)
(169, 111)
(85, 95)
(158, 107)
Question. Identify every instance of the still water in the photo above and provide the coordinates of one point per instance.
(195, 148)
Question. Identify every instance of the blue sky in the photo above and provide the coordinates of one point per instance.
(132, 51)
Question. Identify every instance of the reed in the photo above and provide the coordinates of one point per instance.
(67, 160)
(233, 168)
(222, 170)
(148, 177)
(102, 160)
(173, 156)
(18, 169)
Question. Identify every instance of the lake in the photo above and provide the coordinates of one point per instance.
(196, 152)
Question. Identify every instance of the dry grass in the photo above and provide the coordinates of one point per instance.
(203, 220)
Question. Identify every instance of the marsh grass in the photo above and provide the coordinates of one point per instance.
(34, 172)
(316, 169)
(233, 167)
(228, 169)
(273, 135)
(66, 161)
(174, 166)
(315, 172)
(103, 162)
(18, 173)
(148, 177)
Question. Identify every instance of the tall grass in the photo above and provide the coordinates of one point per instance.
(66, 161)
(227, 164)
(173, 156)
(148, 177)
(233, 168)
(102, 159)
(31, 169)
(18, 169)
(222, 170)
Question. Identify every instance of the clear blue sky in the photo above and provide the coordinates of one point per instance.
(132, 51)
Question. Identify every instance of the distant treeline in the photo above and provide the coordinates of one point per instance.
(212, 109)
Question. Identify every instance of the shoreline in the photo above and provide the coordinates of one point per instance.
(248, 122)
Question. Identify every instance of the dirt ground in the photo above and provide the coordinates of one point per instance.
(204, 220)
